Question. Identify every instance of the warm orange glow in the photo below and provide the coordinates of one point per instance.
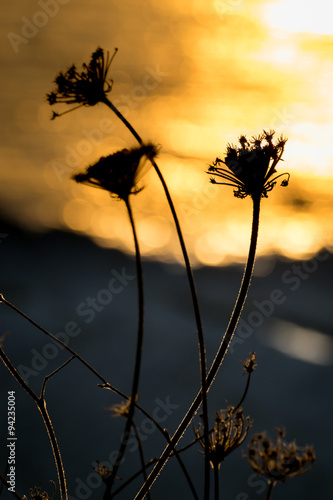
(202, 74)
(77, 215)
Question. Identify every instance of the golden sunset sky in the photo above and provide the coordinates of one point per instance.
(191, 76)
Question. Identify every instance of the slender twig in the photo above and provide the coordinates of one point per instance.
(47, 377)
(220, 354)
(41, 405)
(181, 463)
(271, 485)
(216, 482)
(244, 393)
(141, 454)
(60, 342)
(104, 385)
(201, 342)
(152, 461)
(128, 481)
(138, 356)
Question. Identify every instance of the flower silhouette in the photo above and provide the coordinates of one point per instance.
(86, 87)
(251, 166)
(228, 433)
(118, 173)
(36, 493)
(279, 461)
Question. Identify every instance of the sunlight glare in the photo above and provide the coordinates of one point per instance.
(299, 17)
(302, 343)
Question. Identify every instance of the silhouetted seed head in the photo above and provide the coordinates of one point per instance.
(281, 460)
(102, 470)
(86, 87)
(118, 173)
(36, 493)
(252, 166)
(228, 433)
(250, 364)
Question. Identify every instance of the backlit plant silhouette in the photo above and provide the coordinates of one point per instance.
(251, 169)
(278, 461)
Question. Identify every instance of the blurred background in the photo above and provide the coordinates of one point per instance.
(191, 76)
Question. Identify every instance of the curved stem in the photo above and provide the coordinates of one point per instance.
(138, 357)
(104, 385)
(55, 448)
(220, 354)
(201, 341)
(244, 393)
(60, 342)
(40, 402)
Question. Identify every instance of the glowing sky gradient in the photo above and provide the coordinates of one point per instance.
(191, 76)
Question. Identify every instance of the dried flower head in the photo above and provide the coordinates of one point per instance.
(250, 364)
(102, 470)
(118, 173)
(281, 460)
(86, 87)
(228, 433)
(251, 166)
(37, 493)
(122, 409)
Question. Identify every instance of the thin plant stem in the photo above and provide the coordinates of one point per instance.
(41, 405)
(220, 354)
(104, 385)
(47, 377)
(142, 458)
(216, 482)
(138, 356)
(201, 341)
(151, 462)
(271, 485)
(128, 481)
(244, 393)
(60, 342)
(182, 465)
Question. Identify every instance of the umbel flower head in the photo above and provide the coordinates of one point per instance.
(228, 433)
(118, 173)
(281, 460)
(86, 87)
(251, 167)
(36, 493)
